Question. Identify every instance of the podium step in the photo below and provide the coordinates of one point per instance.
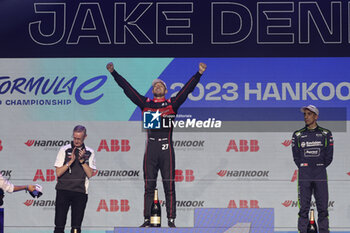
(219, 220)
(261, 219)
(178, 230)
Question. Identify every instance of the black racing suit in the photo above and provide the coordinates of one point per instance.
(159, 153)
(312, 153)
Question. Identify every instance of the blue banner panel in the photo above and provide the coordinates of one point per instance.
(206, 28)
(261, 219)
(259, 89)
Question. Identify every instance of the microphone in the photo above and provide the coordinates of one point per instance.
(37, 192)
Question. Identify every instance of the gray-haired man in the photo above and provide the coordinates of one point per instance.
(74, 164)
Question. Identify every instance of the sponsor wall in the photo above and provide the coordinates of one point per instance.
(239, 169)
(265, 60)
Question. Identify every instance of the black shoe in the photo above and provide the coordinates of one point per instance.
(146, 223)
(171, 222)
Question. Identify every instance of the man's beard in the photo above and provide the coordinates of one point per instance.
(158, 95)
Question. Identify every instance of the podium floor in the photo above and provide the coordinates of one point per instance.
(219, 220)
(179, 230)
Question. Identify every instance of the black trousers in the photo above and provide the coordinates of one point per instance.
(159, 155)
(313, 182)
(65, 199)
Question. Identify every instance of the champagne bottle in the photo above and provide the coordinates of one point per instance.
(156, 211)
(312, 227)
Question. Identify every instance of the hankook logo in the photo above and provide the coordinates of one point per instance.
(185, 204)
(48, 144)
(291, 203)
(243, 173)
(6, 173)
(116, 173)
(189, 145)
(287, 143)
(40, 203)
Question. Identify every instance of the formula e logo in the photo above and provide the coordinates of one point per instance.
(151, 120)
(53, 87)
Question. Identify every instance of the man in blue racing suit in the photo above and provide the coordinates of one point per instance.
(312, 148)
(159, 153)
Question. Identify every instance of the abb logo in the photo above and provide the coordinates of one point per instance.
(187, 177)
(295, 176)
(348, 173)
(244, 204)
(114, 206)
(1, 145)
(243, 146)
(50, 175)
(115, 145)
(287, 143)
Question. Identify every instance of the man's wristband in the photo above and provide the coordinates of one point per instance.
(82, 162)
